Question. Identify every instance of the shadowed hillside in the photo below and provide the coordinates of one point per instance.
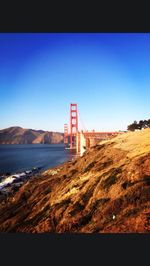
(106, 190)
(18, 135)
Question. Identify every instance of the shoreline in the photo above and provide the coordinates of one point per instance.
(13, 182)
(20, 158)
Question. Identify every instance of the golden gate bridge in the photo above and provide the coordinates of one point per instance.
(81, 140)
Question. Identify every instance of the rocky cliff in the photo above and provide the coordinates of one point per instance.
(106, 190)
(18, 135)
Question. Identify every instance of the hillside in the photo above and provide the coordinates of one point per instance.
(18, 135)
(106, 190)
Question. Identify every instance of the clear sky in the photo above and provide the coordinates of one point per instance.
(107, 75)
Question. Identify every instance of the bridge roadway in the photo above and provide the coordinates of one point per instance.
(88, 139)
(94, 134)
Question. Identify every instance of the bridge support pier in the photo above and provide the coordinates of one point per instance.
(92, 142)
(80, 143)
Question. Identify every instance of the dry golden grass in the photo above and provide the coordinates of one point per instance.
(135, 143)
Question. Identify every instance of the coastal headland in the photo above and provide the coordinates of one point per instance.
(19, 135)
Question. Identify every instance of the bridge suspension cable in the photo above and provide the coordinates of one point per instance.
(81, 122)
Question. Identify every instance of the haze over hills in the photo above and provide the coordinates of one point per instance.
(19, 135)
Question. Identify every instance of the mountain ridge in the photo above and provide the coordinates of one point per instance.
(19, 135)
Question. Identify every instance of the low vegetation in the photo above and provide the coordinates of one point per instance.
(139, 125)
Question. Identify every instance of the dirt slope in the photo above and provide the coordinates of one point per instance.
(106, 190)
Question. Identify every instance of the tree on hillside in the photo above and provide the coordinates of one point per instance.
(138, 125)
(141, 124)
(133, 126)
(148, 122)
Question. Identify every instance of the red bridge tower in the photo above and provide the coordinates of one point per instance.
(65, 134)
(73, 123)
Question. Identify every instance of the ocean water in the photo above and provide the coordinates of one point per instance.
(17, 158)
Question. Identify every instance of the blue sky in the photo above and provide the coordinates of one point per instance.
(107, 75)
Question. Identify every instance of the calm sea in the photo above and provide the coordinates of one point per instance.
(17, 158)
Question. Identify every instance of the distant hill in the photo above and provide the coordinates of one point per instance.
(19, 135)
